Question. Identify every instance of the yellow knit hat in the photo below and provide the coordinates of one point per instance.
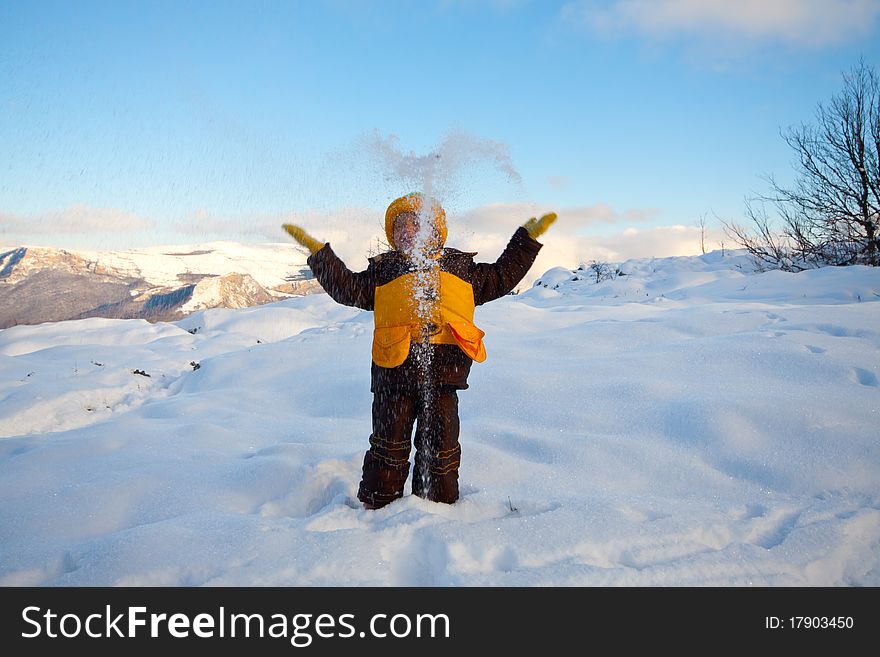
(413, 203)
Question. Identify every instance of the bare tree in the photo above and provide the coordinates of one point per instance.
(602, 271)
(702, 224)
(831, 215)
(770, 251)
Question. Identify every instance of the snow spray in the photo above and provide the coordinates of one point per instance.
(448, 172)
(438, 176)
(426, 293)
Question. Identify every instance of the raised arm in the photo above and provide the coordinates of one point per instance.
(493, 280)
(343, 285)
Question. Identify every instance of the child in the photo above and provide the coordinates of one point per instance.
(423, 298)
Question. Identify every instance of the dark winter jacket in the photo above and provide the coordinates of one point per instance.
(449, 365)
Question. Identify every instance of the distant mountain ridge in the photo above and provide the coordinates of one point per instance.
(44, 284)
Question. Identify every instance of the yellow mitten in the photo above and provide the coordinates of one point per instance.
(303, 238)
(536, 227)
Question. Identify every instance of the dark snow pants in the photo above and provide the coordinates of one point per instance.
(438, 453)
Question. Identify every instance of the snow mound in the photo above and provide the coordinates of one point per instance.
(708, 278)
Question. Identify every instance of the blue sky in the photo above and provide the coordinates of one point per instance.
(133, 123)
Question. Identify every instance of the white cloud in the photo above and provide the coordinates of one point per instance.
(357, 233)
(353, 232)
(490, 226)
(77, 219)
(810, 23)
(201, 223)
(660, 241)
(487, 230)
(504, 216)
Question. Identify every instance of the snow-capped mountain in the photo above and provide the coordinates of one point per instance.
(40, 284)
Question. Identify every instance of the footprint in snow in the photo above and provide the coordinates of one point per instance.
(316, 489)
(864, 377)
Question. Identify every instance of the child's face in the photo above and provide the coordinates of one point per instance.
(406, 229)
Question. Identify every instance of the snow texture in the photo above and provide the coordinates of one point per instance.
(689, 423)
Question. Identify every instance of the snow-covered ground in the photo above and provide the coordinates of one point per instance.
(690, 423)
